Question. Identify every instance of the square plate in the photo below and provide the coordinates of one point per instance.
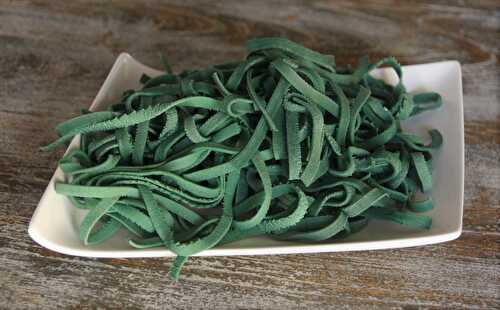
(55, 221)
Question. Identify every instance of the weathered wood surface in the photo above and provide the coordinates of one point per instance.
(55, 54)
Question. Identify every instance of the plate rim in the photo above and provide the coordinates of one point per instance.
(262, 250)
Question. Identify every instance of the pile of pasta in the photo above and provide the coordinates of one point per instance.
(282, 144)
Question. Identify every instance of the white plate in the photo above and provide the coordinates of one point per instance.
(55, 221)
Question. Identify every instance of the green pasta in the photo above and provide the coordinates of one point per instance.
(282, 144)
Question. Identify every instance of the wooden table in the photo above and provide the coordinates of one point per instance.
(54, 56)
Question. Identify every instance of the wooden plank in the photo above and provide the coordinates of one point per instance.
(54, 56)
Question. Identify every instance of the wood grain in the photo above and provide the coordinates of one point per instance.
(55, 54)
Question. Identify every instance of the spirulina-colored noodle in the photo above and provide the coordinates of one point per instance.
(282, 144)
